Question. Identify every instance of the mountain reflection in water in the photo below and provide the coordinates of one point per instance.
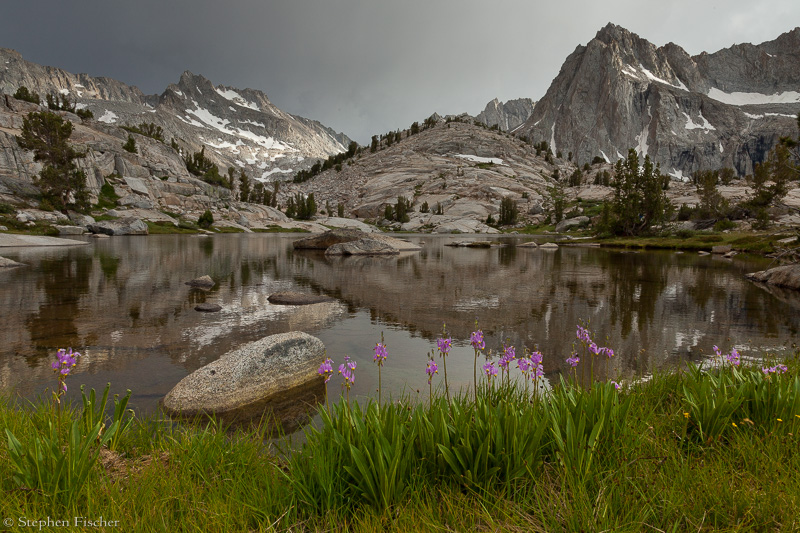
(124, 304)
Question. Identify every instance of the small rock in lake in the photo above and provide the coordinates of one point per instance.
(8, 263)
(549, 246)
(203, 282)
(208, 308)
(703, 252)
(721, 249)
(296, 298)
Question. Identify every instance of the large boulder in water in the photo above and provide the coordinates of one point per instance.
(260, 379)
(787, 276)
(329, 238)
(325, 241)
(362, 247)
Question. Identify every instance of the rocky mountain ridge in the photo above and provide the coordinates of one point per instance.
(507, 116)
(725, 109)
(241, 128)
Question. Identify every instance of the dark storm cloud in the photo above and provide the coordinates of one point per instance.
(364, 67)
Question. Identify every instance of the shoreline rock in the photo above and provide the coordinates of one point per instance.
(122, 226)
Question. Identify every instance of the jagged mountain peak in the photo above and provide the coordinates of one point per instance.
(507, 116)
(620, 91)
(240, 128)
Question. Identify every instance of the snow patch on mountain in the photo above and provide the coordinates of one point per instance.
(236, 98)
(692, 125)
(477, 159)
(109, 117)
(739, 98)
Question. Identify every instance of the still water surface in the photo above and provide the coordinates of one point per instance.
(124, 304)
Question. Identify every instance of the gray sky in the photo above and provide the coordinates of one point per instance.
(364, 67)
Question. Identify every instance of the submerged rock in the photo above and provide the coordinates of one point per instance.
(787, 276)
(208, 308)
(203, 282)
(8, 263)
(296, 298)
(258, 379)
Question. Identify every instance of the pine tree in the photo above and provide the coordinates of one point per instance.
(130, 145)
(640, 200)
(29, 96)
(508, 211)
(244, 186)
(63, 185)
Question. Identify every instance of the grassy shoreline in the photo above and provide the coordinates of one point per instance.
(668, 456)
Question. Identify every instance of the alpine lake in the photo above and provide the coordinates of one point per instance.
(123, 303)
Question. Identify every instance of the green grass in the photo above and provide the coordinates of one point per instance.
(226, 229)
(274, 228)
(753, 242)
(107, 198)
(40, 227)
(597, 460)
(167, 228)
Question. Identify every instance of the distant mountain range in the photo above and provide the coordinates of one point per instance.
(240, 128)
(725, 109)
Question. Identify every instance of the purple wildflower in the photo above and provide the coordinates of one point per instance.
(524, 364)
(347, 370)
(717, 351)
(326, 369)
(381, 353)
(734, 358)
(616, 385)
(476, 339)
(583, 335)
(609, 352)
(444, 345)
(777, 369)
(490, 370)
(431, 369)
(594, 348)
(573, 360)
(509, 354)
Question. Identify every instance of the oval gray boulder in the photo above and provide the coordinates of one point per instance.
(365, 246)
(257, 379)
(787, 276)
